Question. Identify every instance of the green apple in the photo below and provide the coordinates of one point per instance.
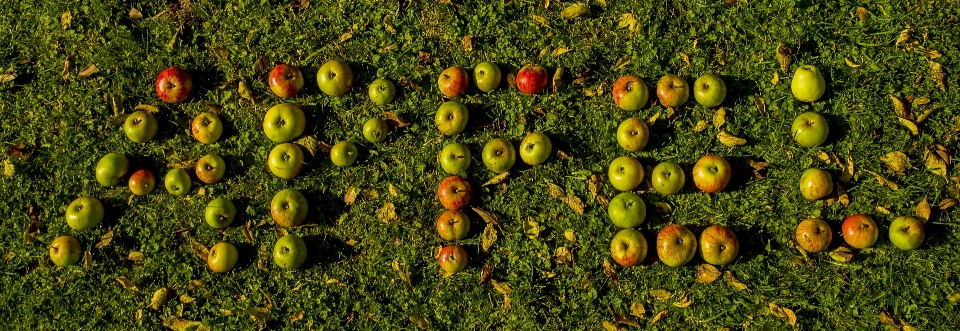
(206, 128)
(343, 154)
(633, 134)
(628, 247)
(65, 251)
(375, 130)
(453, 225)
(222, 257)
(288, 208)
(625, 173)
(290, 252)
(709, 90)
(810, 129)
(487, 76)
(627, 210)
(382, 91)
(672, 91)
(111, 168)
(815, 184)
(84, 213)
(451, 118)
(535, 148)
(667, 178)
(210, 168)
(284, 122)
(906, 232)
(142, 182)
(499, 155)
(285, 160)
(676, 245)
(177, 181)
(335, 78)
(455, 158)
(808, 84)
(220, 213)
(140, 126)
(630, 93)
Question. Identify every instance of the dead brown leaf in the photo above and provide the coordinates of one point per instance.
(127, 284)
(939, 75)
(610, 271)
(923, 211)
(105, 240)
(730, 140)
(733, 282)
(488, 217)
(395, 120)
(842, 254)
(160, 298)
(784, 57)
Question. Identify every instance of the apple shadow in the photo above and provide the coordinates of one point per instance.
(325, 249)
(327, 207)
(479, 118)
(739, 90)
(839, 128)
(247, 257)
(204, 79)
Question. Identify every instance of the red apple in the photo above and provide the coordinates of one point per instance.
(285, 80)
(813, 235)
(453, 82)
(142, 182)
(452, 258)
(454, 192)
(711, 173)
(453, 225)
(676, 245)
(628, 247)
(718, 245)
(859, 231)
(174, 85)
(532, 79)
(630, 93)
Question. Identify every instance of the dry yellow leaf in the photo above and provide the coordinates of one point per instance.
(954, 297)
(842, 254)
(707, 273)
(784, 57)
(822, 157)
(89, 70)
(947, 203)
(733, 282)
(730, 140)
(850, 63)
(531, 228)
(576, 10)
(541, 20)
(594, 183)
(160, 298)
(842, 196)
(497, 180)
(467, 43)
(701, 125)
(900, 108)
(149, 108)
(663, 207)
(127, 284)
(785, 313)
(180, 324)
(629, 21)
(562, 255)
(387, 213)
(489, 237)
(847, 170)
(570, 236)
(488, 217)
(87, 258)
(637, 310)
(923, 211)
(134, 14)
(776, 79)
(685, 58)
(610, 271)
(883, 210)
(346, 36)
(105, 240)
(200, 250)
(557, 80)
(661, 295)
(897, 162)
(555, 191)
(883, 181)
(350, 196)
(910, 126)
(186, 298)
(862, 14)
(719, 118)
(607, 326)
(659, 317)
(574, 203)
(653, 119)
(757, 165)
(939, 75)
(560, 51)
(935, 163)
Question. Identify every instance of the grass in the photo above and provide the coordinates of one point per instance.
(56, 128)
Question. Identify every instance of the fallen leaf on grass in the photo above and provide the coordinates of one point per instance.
(194, 285)
(883, 181)
(784, 57)
(350, 196)
(719, 118)
(954, 297)
(259, 315)
(570, 236)
(541, 20)
(127, 284)
(467, 42)
(707, 273)
(842, 196)
(105, 240)
(923, 211)
(486, 273)
(896, 161)
(862, 14)
(557, 80)
(939, 75)
(701, 125)
(900, 108)
(730, 140)
(842, 254)
(160, 298)
(181, 324)
(395, 120)
(935, 161)
(663, 208)
(733, 282)
(607, 326)
(784, 313)
(653, 119)
(947, 203)
(562, 255)
(576, 10)
(89, 70)
(910, 125)
(637, 310)
(186, 298)
(200, 250)
(387, 213)
(87, 258)
(531, 228)
(30, 233)
(488, 217)
(403, 271)
(628, 21)
(622, 319)
(659, 317)
(610, 271)
(497, 180)
(594, 183)
(419, 321)
(574, 203)
(661, 295)
(489, 237)
(149, 108)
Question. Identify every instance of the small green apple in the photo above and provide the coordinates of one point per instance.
(625, 173)
(285, 160)
(211, 168)
(382, 91)
(375, 130)
(535, 148)
(633, 134)
(111, 168)
(65, 251)
(290, 252)
(487, 76)
(453, 225)
(284, 122)
(810, 129)
(222, 257)
(499, 155)
(451, 118)
(808, 84)
(142, 182)
(177, 181)
(84, 213)
(906, 233)
(288, 208)
(220, 213)
(709, 90)
(668, 178)
(455, 158)
(335, 78)
(206, 128)
(140, 126)
(630, 93)
(627, 210)
(816, 184)
(343, 154)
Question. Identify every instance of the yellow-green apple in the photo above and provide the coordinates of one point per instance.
(709, 90)
(206, 128)
(625, 173)
(222, 257)
(451, 118)
(453, 225)
(335, 78)
(808, 84)
(111, 168)
(711, 173)
(627, 210)
(630, 93)
(535, 148)
(210, 168)
(813, 235)
(810, 129)
(455, 158)
(290, 252)
(453, 82)
(284, 122)
(487, 76)
(285, 80)
(65, 251)
(628, 247)
(718, 245)
(499, 155)
(174, 85)
(375, 130)
(220, 213)
(285, 160)
(633, 134)
(140, 126)
(177, 181)
(816, 184)
(906, 232)
(531, 79)
(676, 245)
(142, 182)
(667, 178)
(452, 259)
(288, 208)
(672, 91)
(343, 153)
(454, 192)
(84, 213)
(382, 91)
(859, 231)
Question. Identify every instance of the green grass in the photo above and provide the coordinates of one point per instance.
(349, 283)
